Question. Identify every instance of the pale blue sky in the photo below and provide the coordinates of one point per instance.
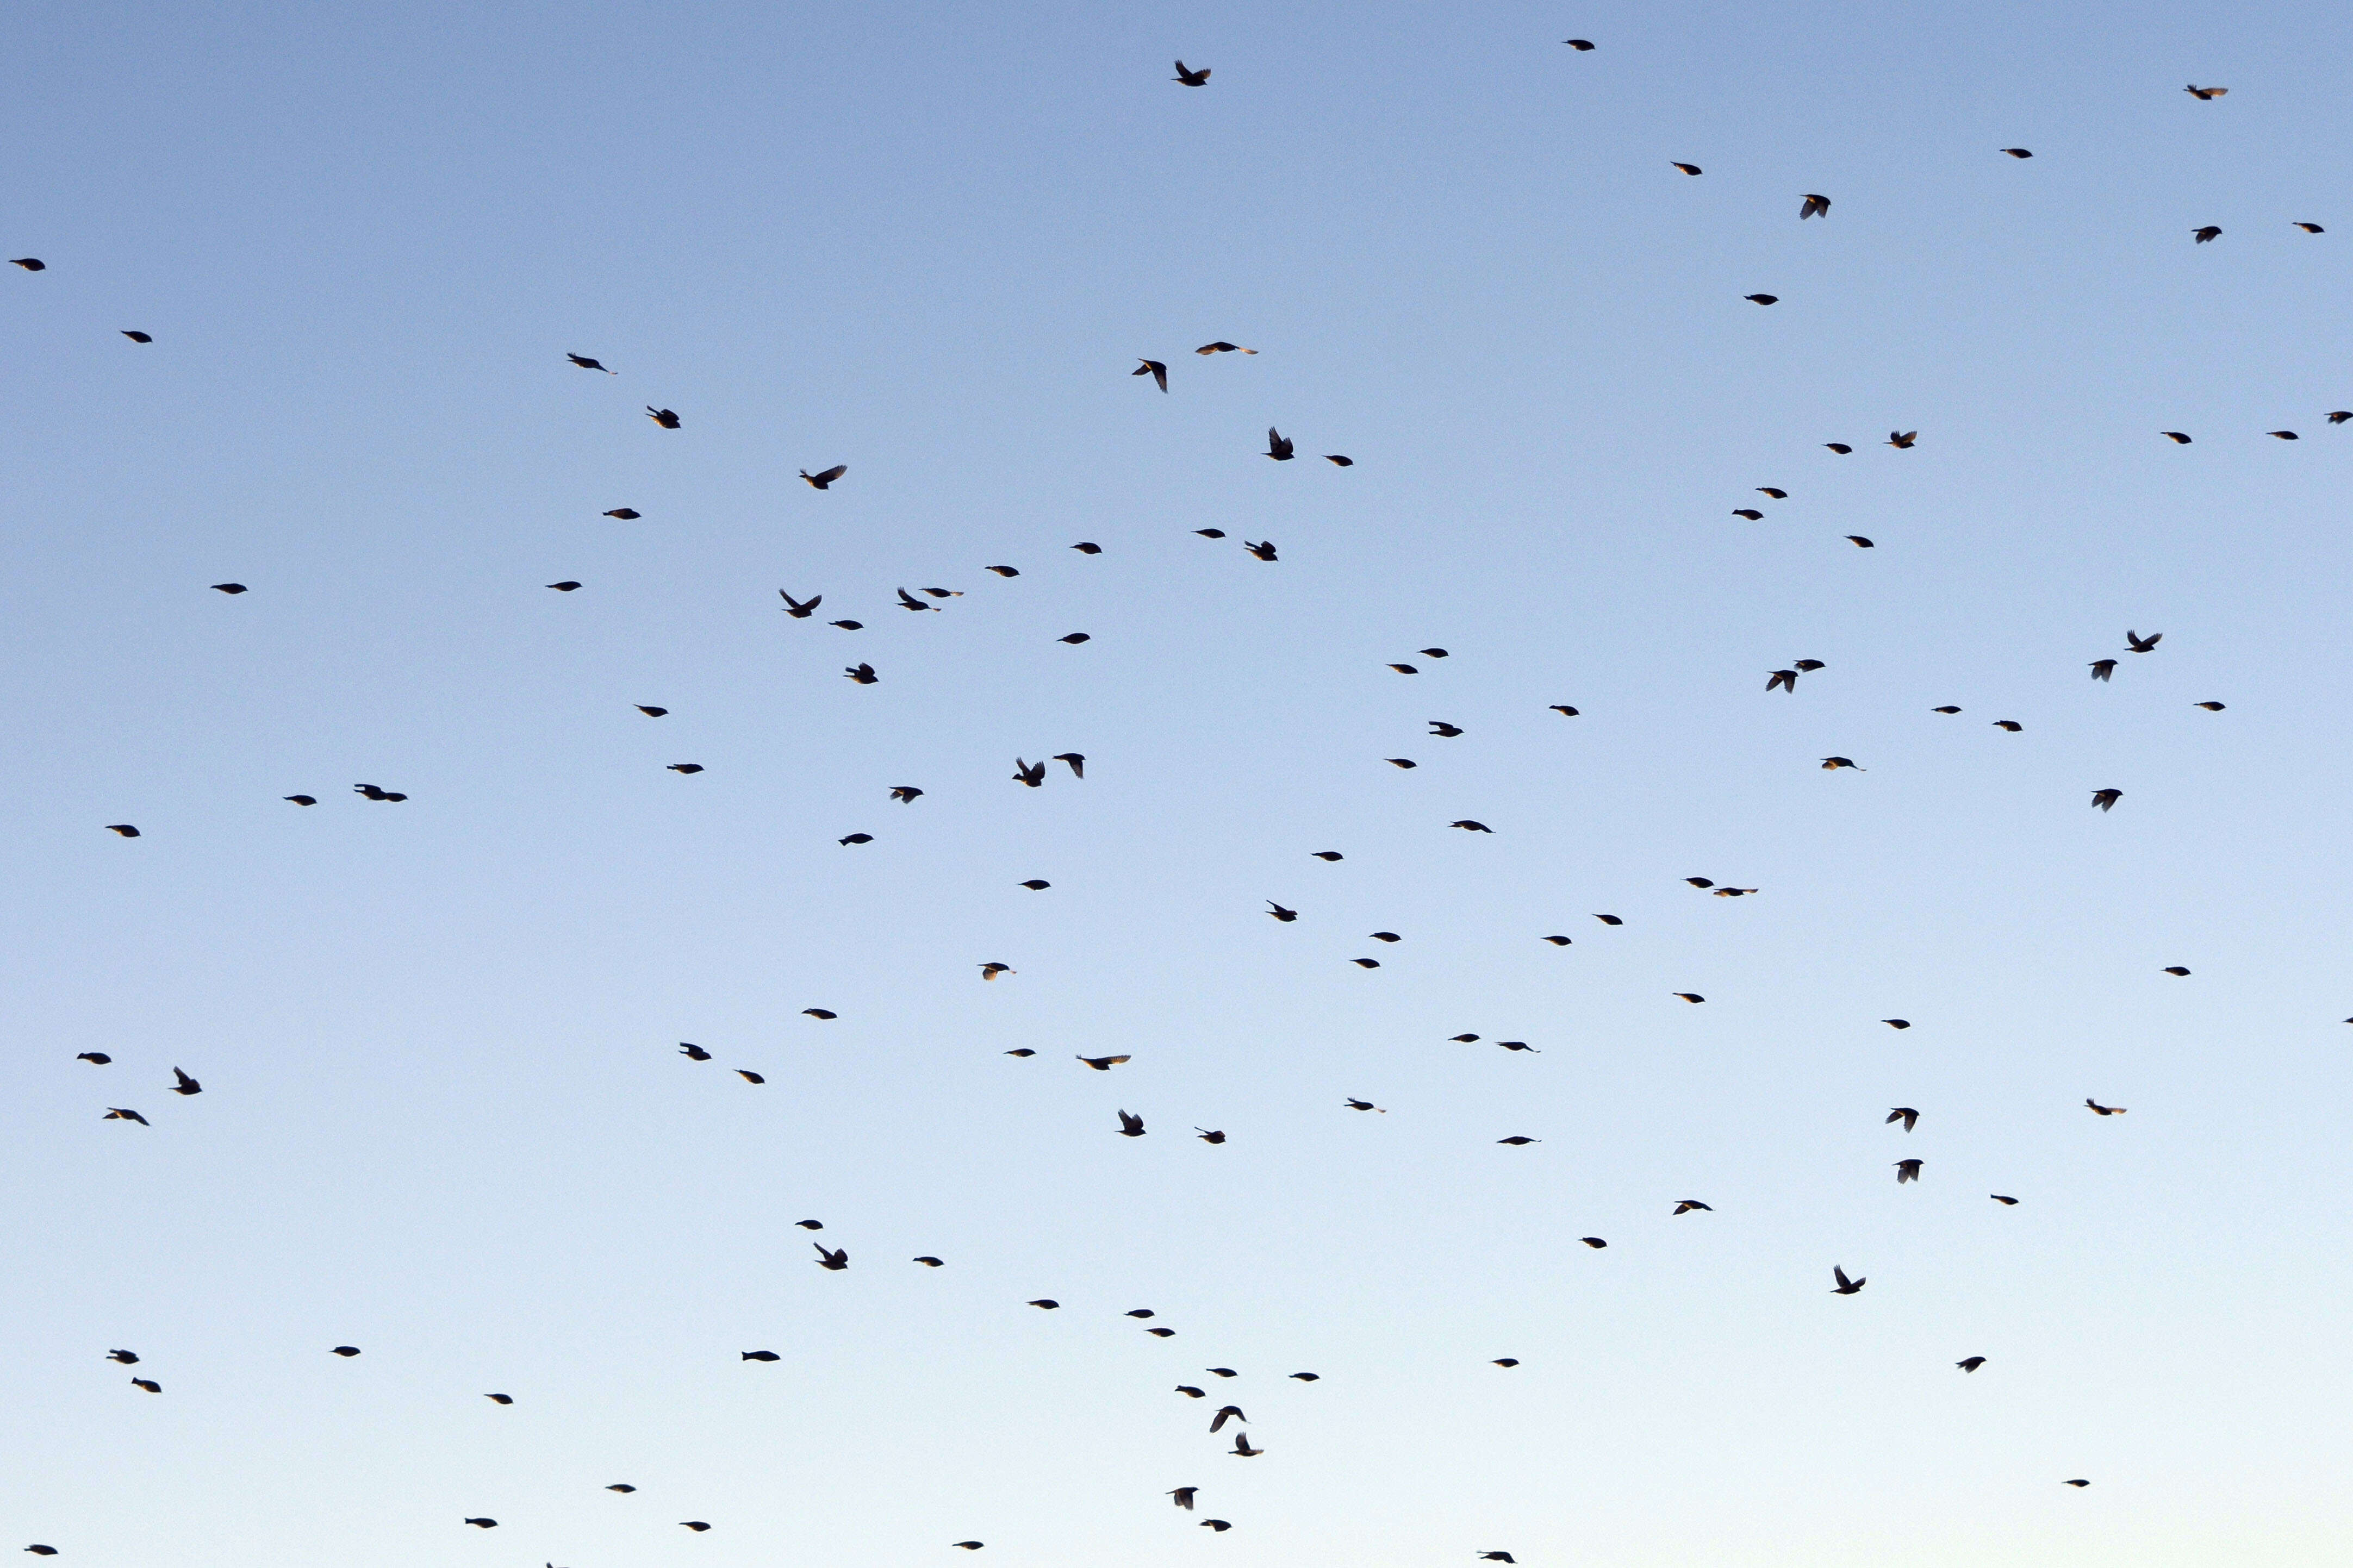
(445, 1118)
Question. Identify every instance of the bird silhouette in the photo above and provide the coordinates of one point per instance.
(2018, 151)
(1130, 1126)
(2206, 234)
(2103, 668)
(799, 609)
(2205, 95)
(1845, 1286)
(1104, 1064)
(1907, 1171)
(1278, 444)
(2106, 798)
(1225, 1414)
(1155, 370)
(1688, 1204)
(662, 416)
(1972, 1365)
(2139, 644)
(2099, 1109)
(834, 1259)
(1903, 440)
(1687, 168)
(587, 363)
(1241, 1446)
(1906, 1115)
(1263, 549)
(123, 1113)
(1815, 207)
(1191, 77)
(1030, 774)
(183, 1084)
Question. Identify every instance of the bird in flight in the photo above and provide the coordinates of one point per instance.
(1263, 550)
(1130, 1125)
(123, 1113)
(1223, 347)
(1907, 1171)
(1278, 912)
(2176, 437)
(1183, 1496)
(122, 830)
(2103, 668)
(1242, 1448)
(1815, 207)
(1225, 1414)
(184, 1084)
(2018, 151)
(1762, 298)
(2106, 798)
(992, 970)
(1685, 1205)
(2205, 95)
(1030, 774)
(863, 674)
(1831, 765)
(1154, 369)
(836, 1258)
(1191, 77)
(1580, 45)
(1972, 1365)
(587, 363)
(2099, 1109)
(1104, 1064)
(1278, 444)
(30, 264)
(2315, 228)
(2206, 234)
(2139, 644)
(1906, 1115)
(824, 480)
(661, 416)
(1903, 440)
(797, 608)
(1686, 168)
(1845, 1286)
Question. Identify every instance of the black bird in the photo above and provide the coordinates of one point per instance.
(1581, 47)
(692, 1052)
(1387, 936)
(809, 1223)
(1326, 855)
(2174, 969)
(128, 1358)
(2207, 234)
(1594, 1242)
(2018, 151)
(99, 1059)
(1353, 1105)
(1154, 369)
(909, 602)
(1841, 447)
(122, 830)
(1086, 548)
(1209, 1137)
(2203, 95)
(30, 264)
(904, 794)
(863, 674)
(300, 799)
(1858, 542)
(1610, 920)
(1831, 765)
(2099, 1109)
(149, 1383)
(2176, 437)
(1225, 1414)
(2139, 644)
(1075, 761)
(1786, 679)
(1560, 940)
(1972, 1365)
(1139, 1312)
(36, 1548)
(1277, 446)
(748, 1076)
(1222, 347)
(1263, 550)
(1750, 512)
(836, 1258)
(1183, 1496)
(123, 1113)
(1845, 1285)
(1815, 207)
(2079, 1481)
(798, 609)
(2012, 725)
(857, 839)
(1441, 727)
(2103, 668)
(1003, 571)
(587, 363)
(1898, 1024)
(1694, 997)
(1075, 639)
(1365, 962)
(1035, 884)
(1030, 774)
(1104, 1064)
(684, 768)
(347, 1351)
(1189, 1391)
(1763, 298)
(824, 481)
(1191, 77)
(500, 1398)
(849, 626)
(2008, 1202)
(1903, 440)
(819, 1014)
(652, 712)
(1337, 461)
(2210, 707)
(231, 589)
(1498, 1557)
(1687, 168)
(1688, 1204)
(184, 1084)
(1278, 912)
(661, 416)
(2106, 798)
(1468, 826)
(1401, 761)
(1045, 1304)
(626, 513)
(927, 1262)
(1210, 532)
(1130, 1126)
(620, 1487)
(373, 793)
(2315, 228)
(1907, 1171)
(1506, 1361)
(1406, 669)
(1518, 1141)
(695, 1525)
(566, 586)
(1564, 711)
(483, 1524)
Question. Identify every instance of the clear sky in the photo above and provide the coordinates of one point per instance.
(444, 1115)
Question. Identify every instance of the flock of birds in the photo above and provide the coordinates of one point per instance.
(1033, 776)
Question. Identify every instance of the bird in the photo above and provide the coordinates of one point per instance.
(1191, 77)
(123, 1113)
(1339, 460)
(1594, 1242)
(1786, 679)
(835, 1259)
(2284, 435)
(2106, 798)
(1563, 709)
(1130, 1125)
(149, 1383)
(1769, 490)
(2079, 1481)
(1307, 1377)
(661, 416)
(863, 674)
(905, 794)
(849, 626)
(2139, 644)
(626, 513)
(30, 263)
(857, 839)
(748, 1076)
(990, 971)
(1278, 444)
(2099, 1109)
(1154, 369)
(1209, 1137)
(692, 1052)
(1441, 727)
(688, 768)
(1841, 447)
(1220, 1525)
(1075, 761)
(1045, 1304)
(761, 1356)
(1815, 207)
(1086, 547)
(1831, 765)
(1845, 1286)
(122, 830)
(1519, 1141)
(1519, 1046)
(1468, 826)
(1750, 512)
(347, 1351)
(1278, 912)
(2012, 725)
(2004, 1202)
(1183, 1496)
(2018, 151)
(2206, 234)
(1401, 761)
(127, 1358)
(1242, 1448)
(1692, 996)
(1907, 1171)
(97, 1058)
(1326, 855)
(2176, 437)
(1579, 45)
(2203, 95)
(1225, 1414)
(587, 363)
(36, 1548)
(373, 793)
(566, 586)
(1906, 1115)
(1432, 652)
(1607, 920)
(1222, 347)
(500, 1398)
(1139, 1312)
(1189, 1391)
(1763, 298)
(1903, 440)
(652, 712)
(483, 1524)
(2103, 668)
(909, 602)
(620, 1487)
(1558, 941)
(1972, 1365)
(1505, 1360)
(1035, 884)
(809, 1223)
(2174, 969)
(2307, 227)
(183, 1084)
(696, 1525)
(231, 589)
(928, 1262)
(799, 609)
(1687, 168)
(1263, 550)
(1810, 664)
(1362, 1105)
(1365, 962)
(1030, 774)
(300, 799)
(1498, 1557)
(2210, 707)
(1406, 669)
(1685, 1205)
(968, 1545)
(1104, 1064)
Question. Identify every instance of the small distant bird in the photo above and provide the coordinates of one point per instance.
(1225, 1414)
(1691, 996)
(1831, 765)
(1278, 444)
(37, 1549)
(566, 586)
(1035, 884)
(1327, 855)
(1906, 1171)
(661, 416)
(2099, 1109)
(1189, 1391)
(863, 674)
(1610, 920)
(1898, 1024)
(849, 626)
(1441, 727)
(1362, 1105)
(1498, 1557)
(2203, 95)
(2139, 644)
(300, 799)
(1191, 77)
(1045, 1303)
(652, 712)
(692, 1052)
(2103, 668)
(1972, 1365)
(1104, 1064)
(1278, 912)
(2018, 151)
(2284, 435)
(1139, 1312)
(500, 1398)
(1903, 440)
(1406, 669)
(1467, 826)
(373, 793)
(748, 1076)
(2176, 437)
(1519, 1046)
(1815, 207)
(968, 1545)
(1505, 1360)
(1519, 1141)
(684, 768)
(1581, 47)
(809, 1223)
(1750, 512)
(1030, 774)
(857, 839)
(1263, 549)
(184, 1084)
(1432, 652)
(127, 1358)
(2004, 1202)
(2308, 228)
(834, 1259)
(1845, 1286)
(483, 1524)
(990, 971)
(1241, 1446)
(798, 609)
(1786, 679)
(1841, 447)
(1075, 761)
(2204, 234)
(2079, 1481)
(1222, 347)
(587, 363)
(626, 515)
(927, 1262)
(1906, 1115)
(909, 602)
(1085, 547)
(1183, 1496)
(123, 1113)
(30, 263)
(1307, 1377)
(1154, 369)
(1564, 710)
(122, 830)
(2174, 969)
(2210, 707)
(1594, 1242)
(231, 589)
(1686, 168)
(1401, 761)
(1130, 1125)
(149, 1383)
(620, 1487)
(1338, 461)
(1209, 1137)
(347, 1351)
(1769, 490)
(99, 1059)
(1558, 941)
(1220, 1525)
(2012, 725)
(1365, 962)
(761, 1356)
(905, 794)
(696, 1525)
(1763, 298)
(2106, 798)
(1810, 664)
(1688, 1204)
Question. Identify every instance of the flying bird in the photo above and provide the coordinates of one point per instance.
(2203, 95)
(1906, 1115)
(1191, 77)
(2106, 798)
(300, 799)
(1558, 940)
(1972, 1365)
(1278, 444)
(2176, 437)
(1209, 1137)
(1845, 1286)
(1564, 710)
(692, 1052)
(2207, 234)
(1045, 1304)
(183, 1084)
(1786, 679)
(149, 1383)
(123, 1113)
(1075, 761)
(620, 1487)
(1130, 1125)
(857, 839)
(1841, 447)
(968, 1545)
(30, 264)
(98, 1059)
(1903, 440)
(748, 1076)
(231, 589)
(2012, 725)
(761, 1356)
(483, 1524)
(1278, 912)
(566, 586)
(2099, 1109)
(661, 416)
(1263, 550)
(1519, 1141)
(373, 793)
(696, 1525)
(683, 768)
(1085, 547)
(127, 1358)
(1154, 369)
(1579, 45)
(1498, 1557)
(2210, 707)
(1815, 207)
(2139, 644)
(1326, 855)
(1468, 826)
(863, 674)
(2005, 1201)
(824, 481)
(905, 794)
(1688, 1204)
(500, 1398)
(1183, 1496)
(122, 830)
(927, 1262)
(1362, 1105)
(1605, 920)
(1831, 765)
(347, 1351)
(1030, 774)
(2174, 969)
(587, 363)
(1225, 1414)
(1750, 512)
(1241, 1446)
(1692, 996)
(2018, 151)
(1686, 168)
(652, 712)
(834, 1259)
(1401, 761)
(626, 513)
(2313, 228)
(1505, 1360)
(1763, 298)
(1222, 347)
(1339, 461)
(1898, 1024)
(1594, 1242)
(2103, 668)
(1035, 884)
(799, 609)
(2284, 435)
(1104, 1064)
(1907, 1171)
(990, 971)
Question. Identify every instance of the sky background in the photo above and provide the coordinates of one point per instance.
(445, 1118)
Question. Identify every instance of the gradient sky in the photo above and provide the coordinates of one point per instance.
(444, 1115)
